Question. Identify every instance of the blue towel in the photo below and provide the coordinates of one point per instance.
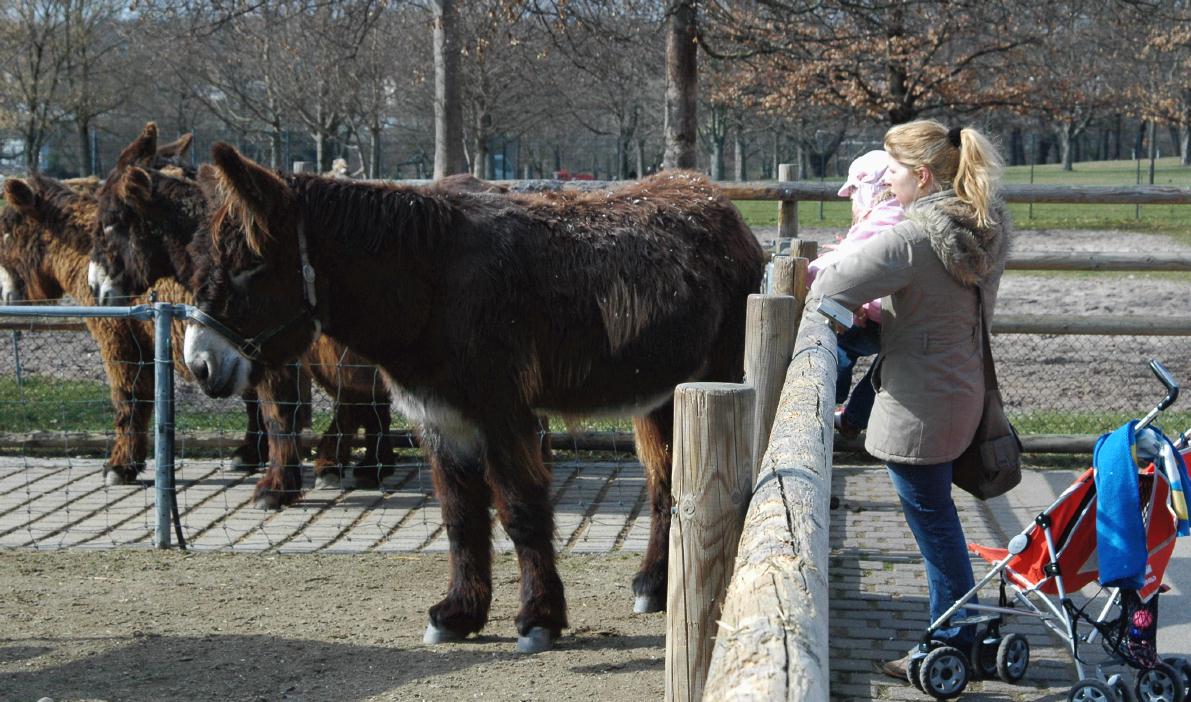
(1120, 533)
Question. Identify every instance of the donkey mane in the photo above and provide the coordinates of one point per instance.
(369, 217)
(66, 214)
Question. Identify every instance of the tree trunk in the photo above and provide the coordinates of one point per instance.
(1175, 136)
(1017, 147)
(1185, 143)
(374, 150)
(1140, 144)
(640, 158)
(1153, 148)
(740, 146)
(83, 131)
(682, 86)
(276, 148)
(448, 112)
(717, 158)
(1117, 129)
(1064, 134)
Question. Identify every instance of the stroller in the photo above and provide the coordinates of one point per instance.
(1056, 556)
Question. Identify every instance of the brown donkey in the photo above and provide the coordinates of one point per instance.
(38, 266)
(146, 220)
(480, 310)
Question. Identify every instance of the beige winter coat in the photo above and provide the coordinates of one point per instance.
(929, 377)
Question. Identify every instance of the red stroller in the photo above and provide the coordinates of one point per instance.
(1056, 556)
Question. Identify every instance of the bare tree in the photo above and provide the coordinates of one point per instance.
(34, 66)
(448, 113)
(682, 85)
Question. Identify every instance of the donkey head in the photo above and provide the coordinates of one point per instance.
(253, 283)
(22, 247)
(126, 258)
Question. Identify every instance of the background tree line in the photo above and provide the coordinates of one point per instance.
(530, 88)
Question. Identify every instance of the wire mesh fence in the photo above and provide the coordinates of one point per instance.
(59, 418)
(58, 428)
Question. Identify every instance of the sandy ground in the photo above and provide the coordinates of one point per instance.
(145, 625)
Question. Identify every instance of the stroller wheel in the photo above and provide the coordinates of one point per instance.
(1091, 691)
(1162, 683)
(913, 670)
(944, 672)
(1013, 658)
(1122, 689)
(1183, 666)
(984, 656)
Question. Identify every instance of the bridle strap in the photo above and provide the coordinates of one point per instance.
(252, 347)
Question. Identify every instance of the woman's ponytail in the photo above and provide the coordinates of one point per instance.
(977, 174)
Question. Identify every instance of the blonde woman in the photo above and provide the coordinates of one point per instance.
(929, 377)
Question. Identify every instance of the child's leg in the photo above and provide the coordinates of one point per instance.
(860, 402)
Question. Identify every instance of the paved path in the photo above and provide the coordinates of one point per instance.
(878, 597)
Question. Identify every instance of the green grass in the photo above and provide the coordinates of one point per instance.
(1168, 219)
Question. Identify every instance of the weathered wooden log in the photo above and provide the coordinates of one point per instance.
(770, 328)
(772, 643)
(713, 424)
(804, 190)
(1098, 262)
(1096, 325)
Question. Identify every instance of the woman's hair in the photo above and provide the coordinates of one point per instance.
(962, 159)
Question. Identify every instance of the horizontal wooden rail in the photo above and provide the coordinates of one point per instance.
(1079, 261)
(1138, 325)
(802, 190)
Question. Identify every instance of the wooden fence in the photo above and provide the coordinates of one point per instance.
(772, 642)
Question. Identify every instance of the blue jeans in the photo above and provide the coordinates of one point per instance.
(925, 493)
(851, 345)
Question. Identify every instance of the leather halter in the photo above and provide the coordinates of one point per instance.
(252, 347)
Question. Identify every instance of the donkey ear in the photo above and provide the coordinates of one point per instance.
(177, 148)
(249, 189)
(20, 196)
(135, 185)
(141, 150)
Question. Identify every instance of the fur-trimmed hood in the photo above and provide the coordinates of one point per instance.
(971, 254)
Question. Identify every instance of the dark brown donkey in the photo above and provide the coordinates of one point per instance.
(481, 309)
(146, 220)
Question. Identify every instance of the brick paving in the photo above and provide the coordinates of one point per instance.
(878, 595)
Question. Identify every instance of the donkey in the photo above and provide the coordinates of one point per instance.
(146, 220)
(480, 310)
(37, 266)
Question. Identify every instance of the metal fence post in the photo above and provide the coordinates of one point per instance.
(163, 420)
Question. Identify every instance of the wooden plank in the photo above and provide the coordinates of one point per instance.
(770, 326)
(773, 631)
(1099, 262)
(713, 467)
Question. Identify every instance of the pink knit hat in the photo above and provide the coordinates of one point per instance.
(864, 176)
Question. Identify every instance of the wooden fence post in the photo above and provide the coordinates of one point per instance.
(787, 210)
(789, 277)
(713, 426)
(769, 331)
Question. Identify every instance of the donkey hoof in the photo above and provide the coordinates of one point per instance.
(328, 481)
(244, 465)
(113, 478)
(269, 502)
(435, 635)
(537, 640)
(644, 604)
(366, 478)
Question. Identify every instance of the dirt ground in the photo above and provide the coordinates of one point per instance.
(147, 625)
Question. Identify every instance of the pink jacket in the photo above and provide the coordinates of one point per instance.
(864, 186)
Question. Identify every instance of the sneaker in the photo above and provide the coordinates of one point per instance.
(845, 428)
(899, 668)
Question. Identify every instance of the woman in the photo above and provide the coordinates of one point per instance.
(929, 377)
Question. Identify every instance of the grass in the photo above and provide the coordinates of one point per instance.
(1167, 219)
(1090, 422)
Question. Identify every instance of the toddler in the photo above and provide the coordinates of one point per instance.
(874, 210)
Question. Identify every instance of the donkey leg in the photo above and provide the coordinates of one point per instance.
(378, 445)
(465, 498)
(335, 447)
(127, 353)
(281, 408)
(654, 436)
(253, 452)
(521, 487)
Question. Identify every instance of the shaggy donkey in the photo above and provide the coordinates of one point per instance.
(480, 310)
(146, 220)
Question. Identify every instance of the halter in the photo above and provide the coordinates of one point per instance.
(252, 347)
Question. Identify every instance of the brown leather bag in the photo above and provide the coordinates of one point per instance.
(991, 465)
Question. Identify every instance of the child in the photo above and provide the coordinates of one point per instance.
(874, 210)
